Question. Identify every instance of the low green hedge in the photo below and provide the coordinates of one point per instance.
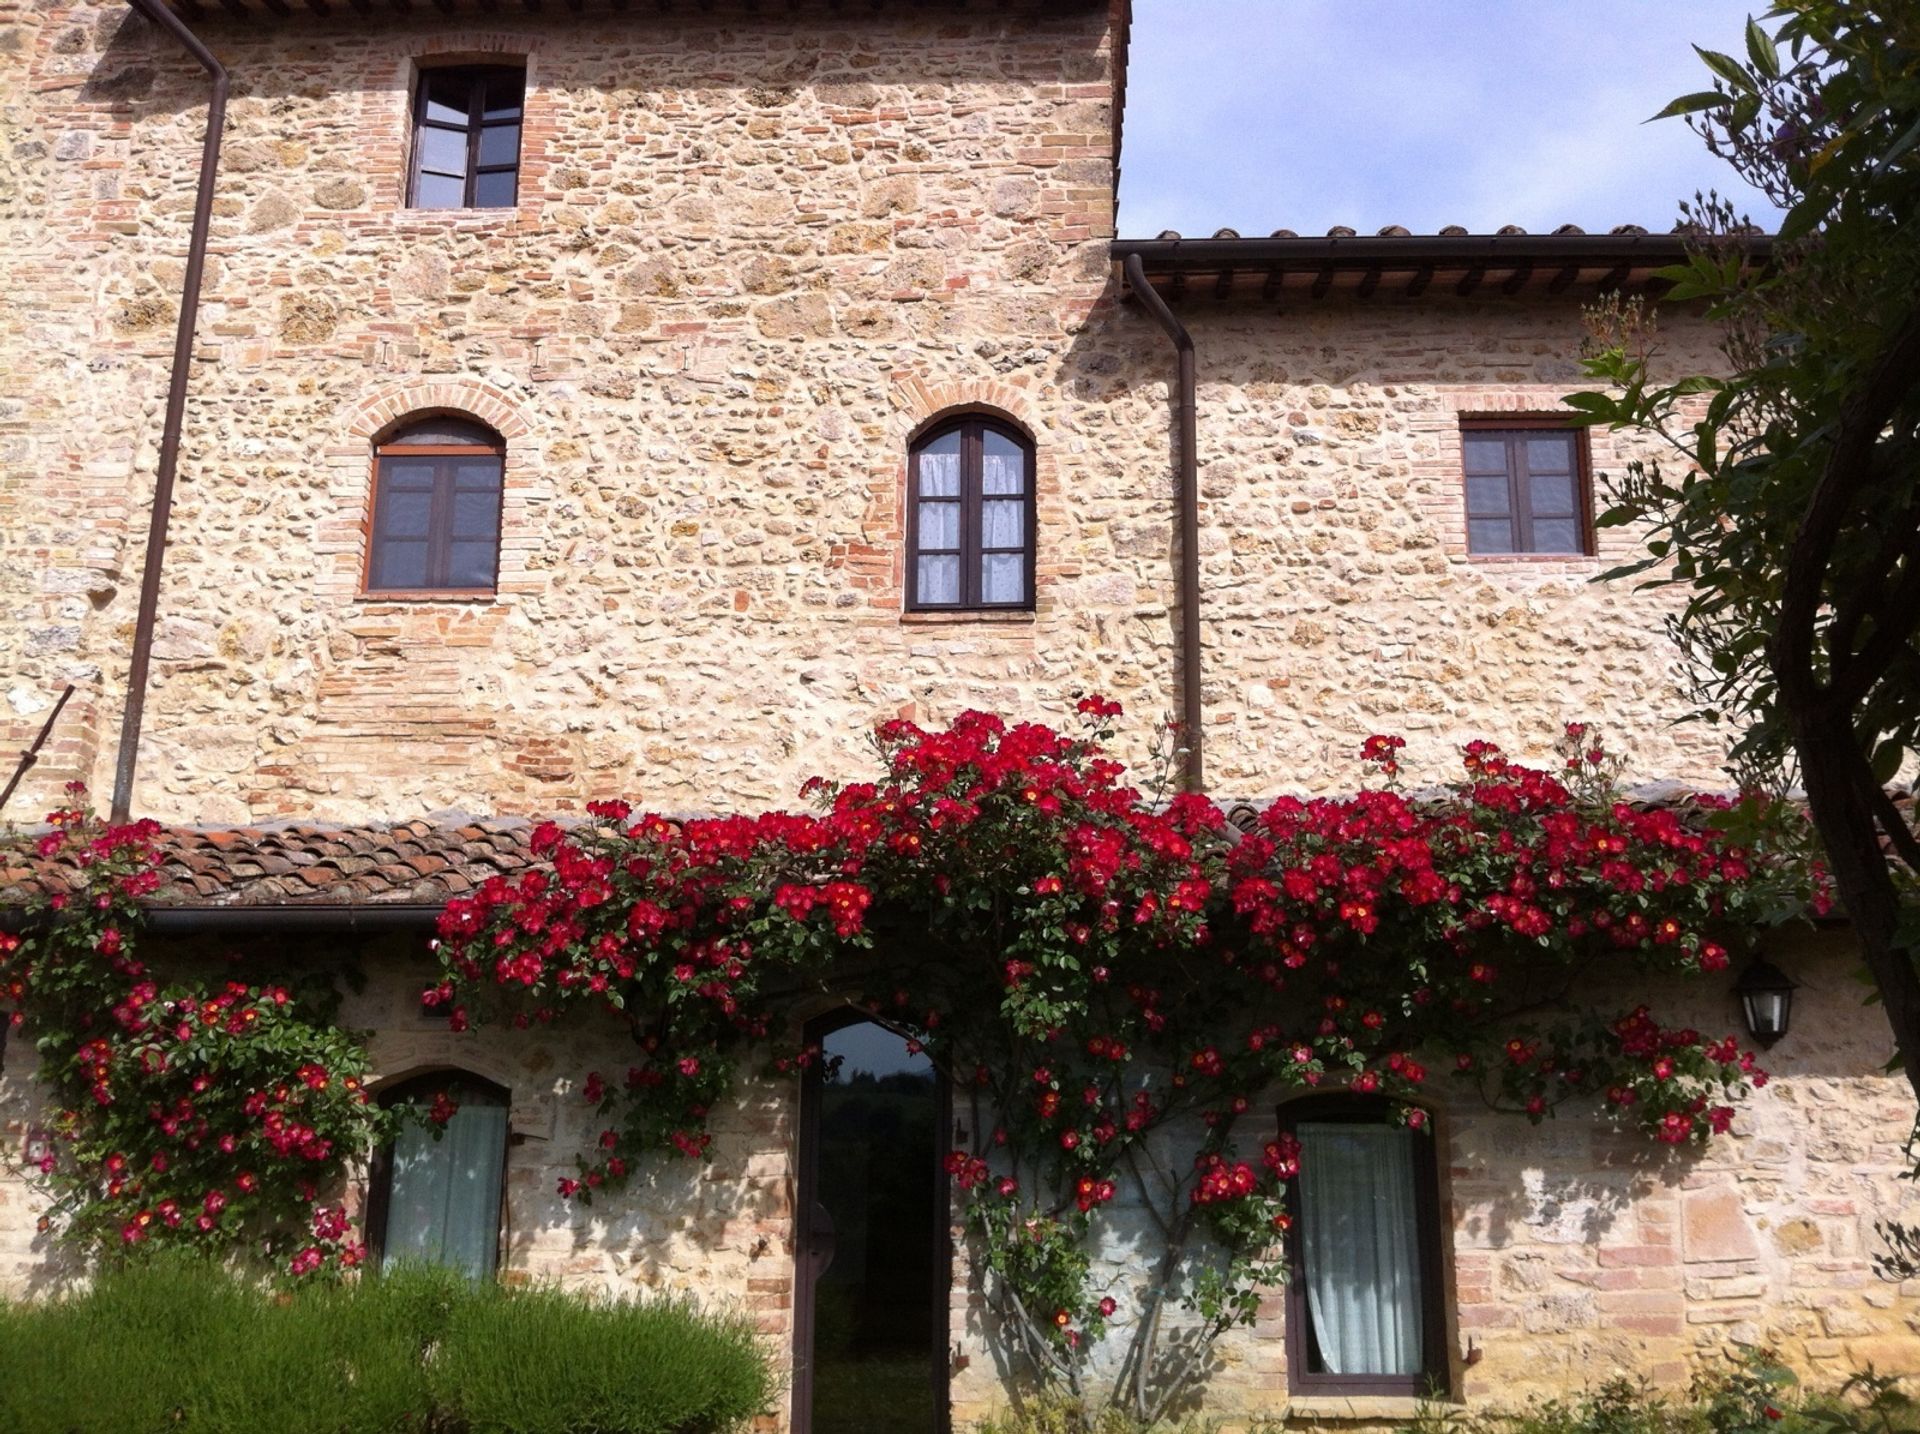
(184, 1348)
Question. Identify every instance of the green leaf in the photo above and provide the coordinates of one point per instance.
(1886, 760)
(1760, 50)
(1727, 68)
(1690, 104)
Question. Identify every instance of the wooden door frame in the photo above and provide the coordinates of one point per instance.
(807, 1167)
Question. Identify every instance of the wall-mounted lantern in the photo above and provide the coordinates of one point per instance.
(1766, 999)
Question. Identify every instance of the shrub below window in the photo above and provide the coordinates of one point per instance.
(178, 1344)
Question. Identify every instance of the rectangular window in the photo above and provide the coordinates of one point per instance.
(1527, 489)
(466, 137)
(1364, 1309)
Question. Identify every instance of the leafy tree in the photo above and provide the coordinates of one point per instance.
(1794, 523)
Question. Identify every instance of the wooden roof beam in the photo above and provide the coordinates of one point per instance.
(1417, 285)
(1276, 279)
(1369, 282)
(1177, 290)
(234, 7)
(1615, 277)
(1470, 280)
(1223, 285)
(1322, 282)
(1560, 281)
(1517, 280)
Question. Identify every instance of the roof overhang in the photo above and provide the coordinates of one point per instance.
(524, 11)
(1407, 265)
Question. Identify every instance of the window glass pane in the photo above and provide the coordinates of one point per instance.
(1550, 455)
(443, 428)
(477, 474)
(504, 94)
(440, 191)
(1556, 535)
(1003, 577)
(405, 513)
(399, 564)
(1485, 453)
(1551, 494)
(940, 468)
(1489, 535)
(406, 473)
(939, 578)
(443, 1204)
(449, 92)
(494, 191)
(470, 563)
(1487, 497)
(1003, 523)
(939, 526)
(1360, 1247)
(476, 515)
(1003, 465)
(443, 151)
(500, 144)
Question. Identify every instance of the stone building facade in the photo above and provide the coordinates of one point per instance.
(758, 250)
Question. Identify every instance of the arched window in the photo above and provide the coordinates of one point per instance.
(1366, 1312)
(435, 526)
(436, 1193)
(970, 517)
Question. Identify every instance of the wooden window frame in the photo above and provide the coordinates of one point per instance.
(478, 78)
(380, 1164)
(1519, 502)
(439, 524)
(972, 428)
(1435, 1371)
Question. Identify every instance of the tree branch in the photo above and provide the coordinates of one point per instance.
(1847, 470)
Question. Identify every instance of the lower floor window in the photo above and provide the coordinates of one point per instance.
(1364, 1313)
(436, 1191)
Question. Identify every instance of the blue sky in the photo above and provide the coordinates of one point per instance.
(1303, 114)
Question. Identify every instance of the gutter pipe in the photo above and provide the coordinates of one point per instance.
(155, 12)
(212, 920)
(1187, 501)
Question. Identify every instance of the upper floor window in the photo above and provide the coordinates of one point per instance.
(436, 509)
(1364, 1309)
(466, 137)
(970, 518)
(1527, 487)
(435, 1195)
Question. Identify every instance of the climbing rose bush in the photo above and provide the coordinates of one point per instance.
(189, 1112)
(1105, 976)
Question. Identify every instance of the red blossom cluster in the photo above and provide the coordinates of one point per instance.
(183, 1113)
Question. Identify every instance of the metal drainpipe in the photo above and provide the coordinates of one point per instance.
(1188, 501)
(156, 13)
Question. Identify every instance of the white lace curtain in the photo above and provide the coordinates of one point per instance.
(1360, 1246)
(444, 1203)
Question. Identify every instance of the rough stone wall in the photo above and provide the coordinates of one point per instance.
(1575, 1254)
(753, 252)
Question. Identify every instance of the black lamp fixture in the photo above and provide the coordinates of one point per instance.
(1766, 999)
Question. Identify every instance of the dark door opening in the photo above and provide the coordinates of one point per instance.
(870, 1334)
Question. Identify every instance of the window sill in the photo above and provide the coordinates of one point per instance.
(430, 595)
(1017, 617)
(1504, 558)
(1360, 1407)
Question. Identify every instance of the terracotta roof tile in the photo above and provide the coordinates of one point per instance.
(306, 864)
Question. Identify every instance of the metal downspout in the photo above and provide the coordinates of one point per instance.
(156, 13)
(1187, 499)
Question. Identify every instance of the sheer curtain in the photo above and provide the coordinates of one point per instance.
(444, 1203)
(938, 579)
(1360, 1246)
